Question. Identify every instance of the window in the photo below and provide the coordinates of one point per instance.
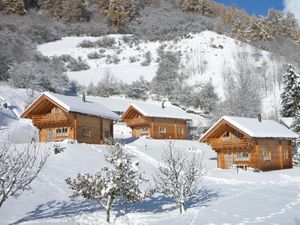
(162, 130)
(143, 129)
(267, 156)
(106, 134)
(86, 132)
(236, 135)
(57, 112)
(181, 130)
(285, 154)
(242, 156)
(62, 132)
(226, 136)
(50, 138)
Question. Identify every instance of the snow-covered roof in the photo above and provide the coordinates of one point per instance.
(154, 110)
(288, 121)
(256, 129)
(75, 104)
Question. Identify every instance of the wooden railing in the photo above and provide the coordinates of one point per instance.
(49, 119)
(137, 122)
(233, 144)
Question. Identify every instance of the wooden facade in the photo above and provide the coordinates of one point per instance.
(158, 128)
(55, 123)
(234, 147)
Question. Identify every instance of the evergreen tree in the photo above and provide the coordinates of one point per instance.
(138, 89)
(121, 180)
(166, 82)
(296, 122)
(290, 97)
(208, 97)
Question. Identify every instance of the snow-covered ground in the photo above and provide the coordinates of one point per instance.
(204, 56)
(226, 197)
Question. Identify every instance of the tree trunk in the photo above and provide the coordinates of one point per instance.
(181, 208)
(110, 201)
(108, 215)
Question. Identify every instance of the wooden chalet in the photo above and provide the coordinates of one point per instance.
(60, 117)
(251, 142)
(160, 122)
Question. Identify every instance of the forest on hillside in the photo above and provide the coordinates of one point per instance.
(24, 24)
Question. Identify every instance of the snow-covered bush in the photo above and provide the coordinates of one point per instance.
(87, 44)
(115, 59)
(119, 181)
(179, 174)
(77, 64)
(94, 55)
(147, 60)
(106, 42)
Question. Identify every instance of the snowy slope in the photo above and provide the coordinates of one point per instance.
(20, 130)
(227, 197)
(204, 56)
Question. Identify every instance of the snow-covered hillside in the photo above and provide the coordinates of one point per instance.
(204, 56)
(227, 197)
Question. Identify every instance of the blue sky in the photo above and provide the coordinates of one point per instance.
(259, 7)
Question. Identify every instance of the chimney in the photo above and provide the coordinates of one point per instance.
(83, 97)
(163, 104)
(259, 117)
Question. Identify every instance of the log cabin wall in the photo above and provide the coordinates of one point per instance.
(168, 129)
(93, 130)
(159, 128)
(274, 154)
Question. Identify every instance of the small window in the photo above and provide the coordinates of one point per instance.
(181, 130)
(242, 156)
(58, 132)
(61, 132)
(267, 156)
(162, 130)
(106, 134)
(285, 154)
(226, 136)
(57, 112)
(236, 135)
(86, 132)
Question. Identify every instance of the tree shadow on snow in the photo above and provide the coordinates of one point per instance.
(56, 209)
(161, 203)
(156, 204)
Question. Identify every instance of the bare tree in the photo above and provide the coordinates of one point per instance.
(178, 175)
(19, 166)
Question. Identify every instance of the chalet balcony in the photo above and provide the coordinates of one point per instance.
(137, 122)
(48, 119)
(229, 144)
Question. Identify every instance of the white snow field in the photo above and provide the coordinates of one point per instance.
(204, 56)
(225, 197)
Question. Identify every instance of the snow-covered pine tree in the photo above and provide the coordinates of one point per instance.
(296, 122)
(120, 181)
(290, 97)
(138, 89)
(166, 80)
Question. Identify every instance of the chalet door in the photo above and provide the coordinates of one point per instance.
(229, 159)
(50, 135)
